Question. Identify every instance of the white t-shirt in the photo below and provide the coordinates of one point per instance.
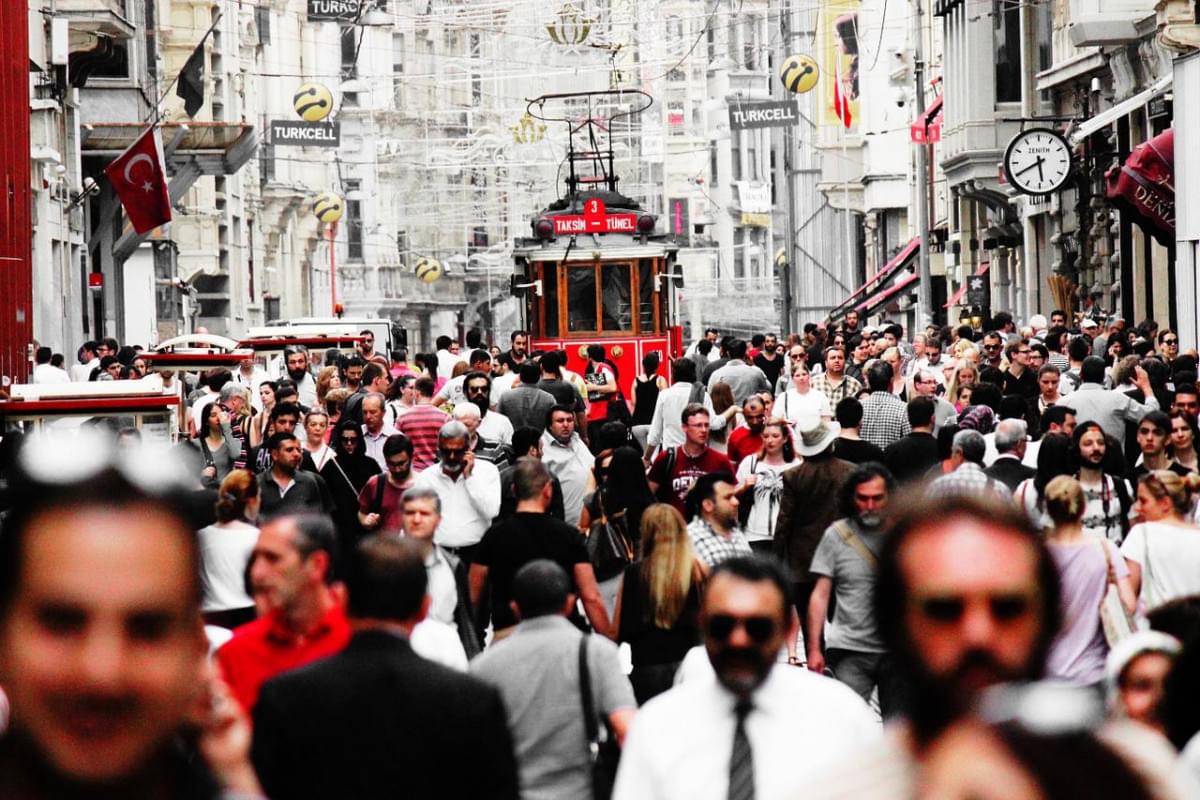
(496, 427)
(1169, 556)
(760, 525)
(793, 406)
(224, 553)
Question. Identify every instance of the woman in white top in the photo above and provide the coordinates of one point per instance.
(801, 401)
(1086, 565)
(225, 549)
(1163, 550)
(760, 483)
(316, 423)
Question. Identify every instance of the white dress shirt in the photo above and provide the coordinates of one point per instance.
(468, 505)
(679, 745)
(572, 464)
(81, 373)
(374, 443)
(44, 373)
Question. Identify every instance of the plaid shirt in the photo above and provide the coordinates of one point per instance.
(711, 547)
(885, 419)
(849, 387)
(968, 479)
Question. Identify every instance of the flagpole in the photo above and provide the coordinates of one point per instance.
(156, 111)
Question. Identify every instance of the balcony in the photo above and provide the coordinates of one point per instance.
(1107, 22)
(107, 17)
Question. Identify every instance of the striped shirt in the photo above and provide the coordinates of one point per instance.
(421, 426)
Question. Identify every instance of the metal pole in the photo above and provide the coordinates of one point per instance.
(332, 233)
(925, 304)
(787, 269)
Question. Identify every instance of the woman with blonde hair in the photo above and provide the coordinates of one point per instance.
(658, 609)
(1086, 567)
(1163, 550)
(965, 374)
(225, 548)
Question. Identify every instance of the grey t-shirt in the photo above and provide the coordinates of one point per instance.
(536, 670)
(853, 586)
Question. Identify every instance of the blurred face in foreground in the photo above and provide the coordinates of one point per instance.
(744, 627)
(102, 648)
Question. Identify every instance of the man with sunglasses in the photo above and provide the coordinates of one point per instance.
(366, 349)
(761, 729)
(1168, 345)
(469, 489)
(993, 351)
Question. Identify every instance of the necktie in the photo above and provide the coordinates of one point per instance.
(741, 759)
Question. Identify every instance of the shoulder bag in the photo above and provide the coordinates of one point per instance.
(1114, 619)
(603, 751)
(852, 540)
(209, 481)
(608, 544)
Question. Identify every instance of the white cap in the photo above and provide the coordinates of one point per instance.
(1087, 323)
(1038, 322)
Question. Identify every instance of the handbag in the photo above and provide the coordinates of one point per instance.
(208, 481)
(1114, 619)
(603, 751)
(609, 547)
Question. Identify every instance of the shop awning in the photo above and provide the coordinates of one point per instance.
(1144, 186)
(876, 281)
(878, 299)
(982, 270)
(928, 127)
(1111, 115)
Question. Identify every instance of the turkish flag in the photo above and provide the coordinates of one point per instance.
(841, 105)
(140, 181)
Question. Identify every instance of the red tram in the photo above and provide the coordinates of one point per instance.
(595, 271)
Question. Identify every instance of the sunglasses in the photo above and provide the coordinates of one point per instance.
(1170, 341)
(948, 609)
(759, 629)
(350, 439)
(991, 347)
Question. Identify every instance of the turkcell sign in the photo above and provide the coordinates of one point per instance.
(610, 223)
(298, 133)
(333, 9)
(773, 114)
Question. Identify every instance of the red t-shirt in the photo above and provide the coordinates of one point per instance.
(262, 649)
(743, 443)
(673, 488)
(421, 425)
(391, 509)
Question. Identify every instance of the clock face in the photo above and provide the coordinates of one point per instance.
(1038, 161)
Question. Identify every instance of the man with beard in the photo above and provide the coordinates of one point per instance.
(493, 425)
(760, 729)
(966, 598)
(1108, 497)
(845, 564)
(287, 489)
(747, 439)
(102, 651)
(296, 359)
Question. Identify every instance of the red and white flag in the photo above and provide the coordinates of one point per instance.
(841, 105)
(140, 181)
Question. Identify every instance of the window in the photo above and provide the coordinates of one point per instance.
(712, 163)
(549, 275)
(350, 40)
(616, 310)
(354, 234)
(266, 163)
(752, 171)
(581, 298)
(646, 296)
(1006, 38)
(262, 21)
(735, 153)
(115, 66)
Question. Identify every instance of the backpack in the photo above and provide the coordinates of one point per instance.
(664, 488)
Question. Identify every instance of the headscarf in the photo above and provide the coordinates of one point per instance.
(977, 418)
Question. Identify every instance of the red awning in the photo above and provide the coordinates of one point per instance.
(983, 268)
(1144, 186)
(928, 128)
(899, 260)
(876, 300)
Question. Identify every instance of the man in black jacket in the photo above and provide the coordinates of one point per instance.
(913, 455)
(1010, 444)
(377, 720)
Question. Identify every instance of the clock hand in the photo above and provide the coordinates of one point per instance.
(1037, 163)
(1041, 174)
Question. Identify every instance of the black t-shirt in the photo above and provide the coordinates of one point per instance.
(564, 393)
(856, 451)
(648, 643)
(512, 543)
(770, 367)
(911, 457)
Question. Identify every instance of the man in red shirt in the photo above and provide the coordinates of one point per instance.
(602, 387)
(291, 570)
(746, 439)
(675, 470)
(421, 425)
(381, 500)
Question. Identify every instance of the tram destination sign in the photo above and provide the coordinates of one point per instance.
(594, 219)
(773, 114)
(298, 133)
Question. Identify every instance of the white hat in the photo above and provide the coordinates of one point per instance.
(815, 435)
(1132, 646)
(1038, 322)
(1087, 323)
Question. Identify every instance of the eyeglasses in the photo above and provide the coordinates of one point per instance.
(991, 347)
(1024, 352)
(947, 609)
(349, 439)
(795, 356)
(477, 389)
(1170, 341)
(759, 629)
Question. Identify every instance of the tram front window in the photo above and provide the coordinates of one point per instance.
(616, 307)
(581, 299)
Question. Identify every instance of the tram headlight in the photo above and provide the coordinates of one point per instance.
(646, 223)
(543, 228)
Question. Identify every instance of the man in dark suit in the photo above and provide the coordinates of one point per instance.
(377, 720)
(1010, 444)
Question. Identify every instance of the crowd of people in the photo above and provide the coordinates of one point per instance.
(849, 562)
